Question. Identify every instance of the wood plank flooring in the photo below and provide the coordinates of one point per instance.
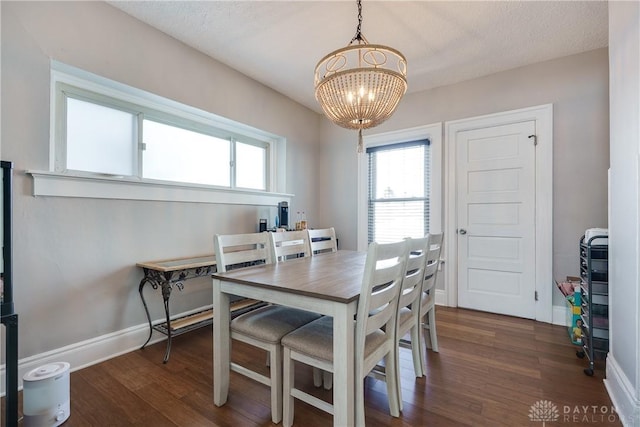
(490, 370)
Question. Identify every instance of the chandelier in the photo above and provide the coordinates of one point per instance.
(360, 86)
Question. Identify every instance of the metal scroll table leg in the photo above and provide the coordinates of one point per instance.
(164, 282)
(146, 309)
(166, 294)
(166, 312)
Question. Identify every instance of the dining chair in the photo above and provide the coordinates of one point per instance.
(323, 240)
(297, 244)
(408, 313)
(290, 244)
(428, 297)
(374, 325)
(263, 327)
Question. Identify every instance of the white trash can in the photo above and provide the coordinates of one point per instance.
(45, 396)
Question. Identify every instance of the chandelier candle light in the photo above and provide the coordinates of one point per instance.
(360, 86)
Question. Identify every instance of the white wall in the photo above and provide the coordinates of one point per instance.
(623, 362)
(577, 86)
(74, 275)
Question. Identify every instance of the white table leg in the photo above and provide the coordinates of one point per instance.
(343, 365)
(221, 347)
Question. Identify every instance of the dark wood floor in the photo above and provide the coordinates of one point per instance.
(490, 371)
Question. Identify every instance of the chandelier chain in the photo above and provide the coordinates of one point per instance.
(358, 35)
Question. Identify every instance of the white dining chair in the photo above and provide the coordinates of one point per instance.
(424, 317)
(375, 322)
(297, 244)
(290, 244)
(263, 327)
(408, 321)
(428, 297)
(323, 240)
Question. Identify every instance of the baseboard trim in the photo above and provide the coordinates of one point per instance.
(441, 297)
(91, 351)
(86, 353)
(622, 394)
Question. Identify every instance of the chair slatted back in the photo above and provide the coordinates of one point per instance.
(414, 278)
(384, 271)
(241, 250)
(290, 244)
(323, 240)
(432, 264)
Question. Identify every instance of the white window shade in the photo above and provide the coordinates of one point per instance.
(398, 194)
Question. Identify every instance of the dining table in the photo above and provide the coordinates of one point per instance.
(328, 284)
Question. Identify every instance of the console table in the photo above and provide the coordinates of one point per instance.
(166, 274)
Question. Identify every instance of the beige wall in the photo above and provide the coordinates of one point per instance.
(74, 259)
(75, 277)
(577, 86)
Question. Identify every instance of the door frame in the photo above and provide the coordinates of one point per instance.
(543, 117)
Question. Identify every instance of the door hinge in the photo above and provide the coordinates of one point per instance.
(535, 139)
(143, 146)
(536, 295)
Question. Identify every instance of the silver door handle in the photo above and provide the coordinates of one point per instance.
(462, 231)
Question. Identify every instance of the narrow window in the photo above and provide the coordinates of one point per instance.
(398, 191)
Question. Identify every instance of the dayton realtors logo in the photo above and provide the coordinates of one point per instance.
(589, 414)
(546, 411)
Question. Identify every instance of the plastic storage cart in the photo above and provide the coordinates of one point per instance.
(594, 287)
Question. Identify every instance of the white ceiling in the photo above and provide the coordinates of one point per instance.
(278, 43)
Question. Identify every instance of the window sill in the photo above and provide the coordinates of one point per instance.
(109, 187)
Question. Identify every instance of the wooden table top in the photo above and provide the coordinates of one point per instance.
(333, 276)
(179, 263)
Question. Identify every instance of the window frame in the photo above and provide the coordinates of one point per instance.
(373, 201)
(433, 133)
(60, 181)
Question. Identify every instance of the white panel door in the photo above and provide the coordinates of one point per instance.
(496, 219)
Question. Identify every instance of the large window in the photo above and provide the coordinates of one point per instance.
(108, 136)
(110, 140)
(398, 191)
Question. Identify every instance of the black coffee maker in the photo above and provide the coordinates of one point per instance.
(283, 214)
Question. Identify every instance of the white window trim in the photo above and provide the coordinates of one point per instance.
(431, 132)
(109, 187)
(89, 185)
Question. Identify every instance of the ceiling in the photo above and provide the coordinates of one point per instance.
(279, 43)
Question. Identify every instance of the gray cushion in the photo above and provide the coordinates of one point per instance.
(272, 322)
(316, 339)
